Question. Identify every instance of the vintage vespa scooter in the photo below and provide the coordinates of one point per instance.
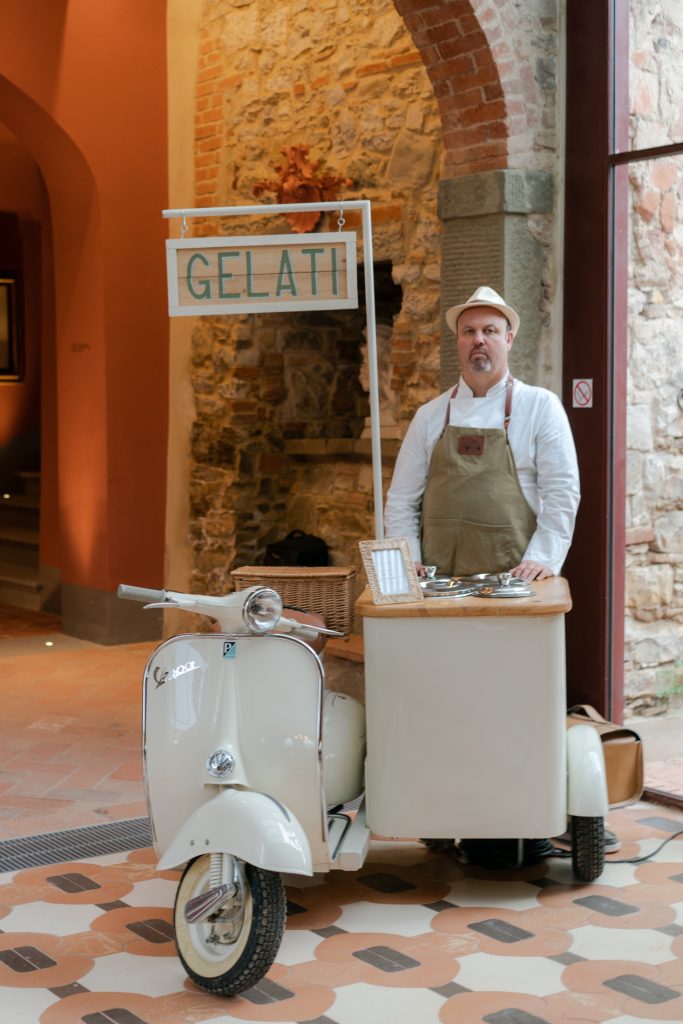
(249, 762)
(246, 757)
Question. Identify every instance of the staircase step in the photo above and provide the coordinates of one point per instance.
(20, 585)
(16, 500)
(24, 576)
(19, 510)
(19, 544)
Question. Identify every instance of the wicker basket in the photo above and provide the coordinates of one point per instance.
(328, 590)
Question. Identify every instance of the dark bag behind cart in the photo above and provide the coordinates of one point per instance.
(298, 548)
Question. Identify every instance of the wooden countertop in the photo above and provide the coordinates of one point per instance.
(549, 597)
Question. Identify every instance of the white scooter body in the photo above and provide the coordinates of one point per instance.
(259, 699)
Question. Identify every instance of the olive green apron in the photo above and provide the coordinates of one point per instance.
(475, 517)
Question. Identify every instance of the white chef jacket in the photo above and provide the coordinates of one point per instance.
(542, 447)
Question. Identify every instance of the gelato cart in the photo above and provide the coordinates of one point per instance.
(466, 722)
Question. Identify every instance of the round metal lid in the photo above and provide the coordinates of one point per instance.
(494, 579)
(436, 581)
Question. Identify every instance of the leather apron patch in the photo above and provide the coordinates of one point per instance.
(471, 444)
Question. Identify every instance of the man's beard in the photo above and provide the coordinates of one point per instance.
(480, 362)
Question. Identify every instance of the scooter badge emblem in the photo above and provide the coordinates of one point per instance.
(162, 676)
(220, 763)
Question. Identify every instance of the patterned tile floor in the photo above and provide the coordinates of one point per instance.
(413, 938)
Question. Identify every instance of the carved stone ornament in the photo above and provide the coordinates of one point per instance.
(301, 182)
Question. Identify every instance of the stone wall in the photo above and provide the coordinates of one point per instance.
(279, 406)
(654, 579)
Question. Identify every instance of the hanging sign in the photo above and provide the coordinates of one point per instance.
(261, 274)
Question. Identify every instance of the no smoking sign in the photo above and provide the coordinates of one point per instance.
(582, 393)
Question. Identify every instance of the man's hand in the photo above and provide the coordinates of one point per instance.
(528, 570)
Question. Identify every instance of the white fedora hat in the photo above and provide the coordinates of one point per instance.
(483, 297)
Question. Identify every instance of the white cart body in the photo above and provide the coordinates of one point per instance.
(465, 714)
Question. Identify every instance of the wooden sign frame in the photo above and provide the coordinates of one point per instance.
(245, 293)
(391, 572)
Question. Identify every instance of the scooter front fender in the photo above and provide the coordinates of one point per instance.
(586, 777)
(251, 826)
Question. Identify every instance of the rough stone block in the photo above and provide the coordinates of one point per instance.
(508, 191)
(639, 428)
(640, 535)
(648, 587)
(411, 161)
(653, 644)
(634, 472)
(669, 532)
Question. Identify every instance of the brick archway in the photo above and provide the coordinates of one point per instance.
(483, 98)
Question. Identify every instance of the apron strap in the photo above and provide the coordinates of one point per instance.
(508, 404)
(448, 404)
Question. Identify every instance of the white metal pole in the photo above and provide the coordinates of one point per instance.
(376, 443)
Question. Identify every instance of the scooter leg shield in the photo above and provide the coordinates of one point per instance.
(343, 748)
(251, 826)
(586, 776)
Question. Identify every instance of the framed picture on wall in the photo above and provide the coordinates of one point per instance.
(11, 351)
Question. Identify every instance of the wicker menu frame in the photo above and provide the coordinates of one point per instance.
(391, 571)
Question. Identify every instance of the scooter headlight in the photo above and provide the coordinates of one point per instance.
(262, 610)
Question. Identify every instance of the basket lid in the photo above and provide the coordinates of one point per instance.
(296, 571)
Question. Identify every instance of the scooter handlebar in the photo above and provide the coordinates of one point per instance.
(140, 594)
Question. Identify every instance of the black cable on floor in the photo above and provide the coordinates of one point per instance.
(647, 856)
(557, 852)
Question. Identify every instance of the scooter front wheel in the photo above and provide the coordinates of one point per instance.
(217, 959)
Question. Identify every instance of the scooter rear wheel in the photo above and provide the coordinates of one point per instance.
(227, 968)
(588, 847)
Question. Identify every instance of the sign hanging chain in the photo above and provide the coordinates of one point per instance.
(341, 220)
(184, 227)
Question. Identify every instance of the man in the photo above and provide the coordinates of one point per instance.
(486, 479)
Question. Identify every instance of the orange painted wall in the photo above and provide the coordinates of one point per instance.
(84, 90)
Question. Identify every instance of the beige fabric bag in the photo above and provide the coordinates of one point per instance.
(623, 750)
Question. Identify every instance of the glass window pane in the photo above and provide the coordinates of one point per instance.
(655, 82)
(654, 514)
